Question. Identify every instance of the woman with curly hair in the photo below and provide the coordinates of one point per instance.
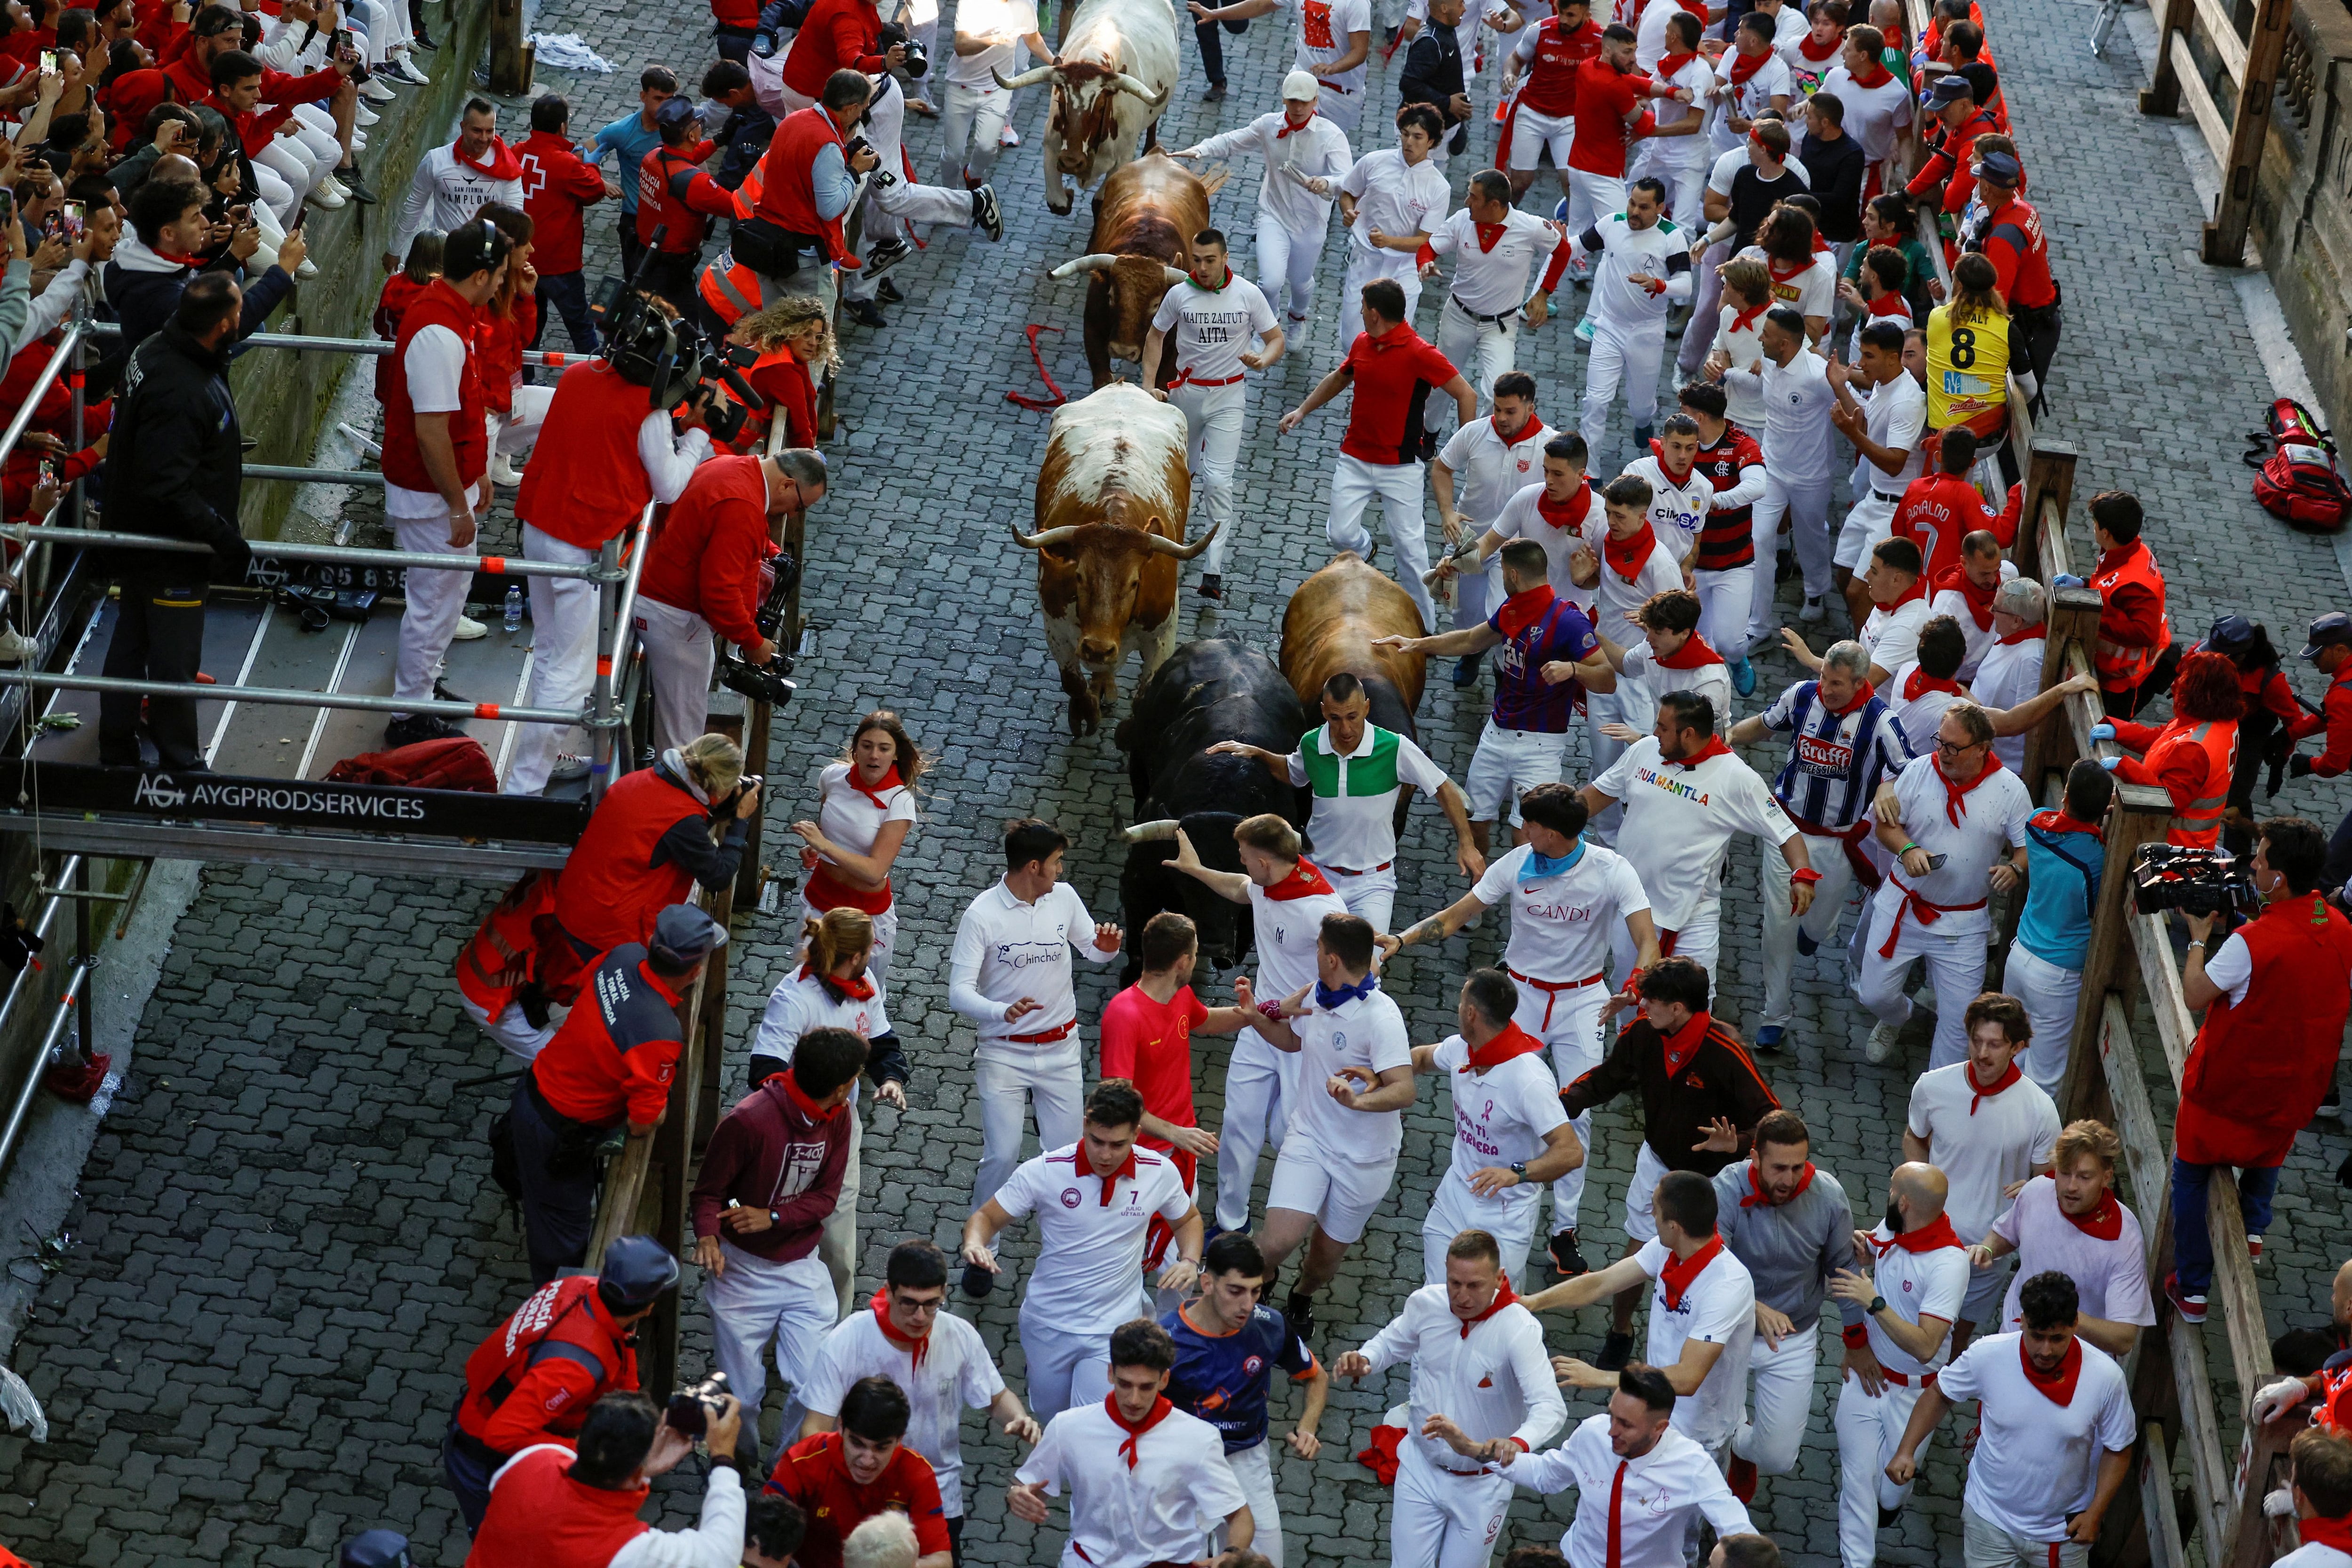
(2190, 759)
(795, 344)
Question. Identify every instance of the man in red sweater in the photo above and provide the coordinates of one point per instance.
(704, 574)
(770, 1178)
(844, 1477)
(557, 185)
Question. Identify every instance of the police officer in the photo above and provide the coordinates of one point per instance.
(534, 1379)
(677, 200)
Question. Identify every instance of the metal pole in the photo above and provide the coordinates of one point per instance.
(288, 697)
(365, 347)
(301, 475)
(41, 384)
(278, 550)
(604, 736)
(16, 988)
(80, 360)
(85, 956)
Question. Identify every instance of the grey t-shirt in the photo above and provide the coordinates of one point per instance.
(1790, 1248)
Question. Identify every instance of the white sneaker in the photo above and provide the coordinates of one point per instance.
(468, 629)
(400, 68)
(567, 768)
(362, 115)
(503, 471)
(16, 648)
(1008, 137)
(1879, 1048)
(375, 91)
(1813, 612)
(329, 195)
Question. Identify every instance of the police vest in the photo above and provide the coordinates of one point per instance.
(560, 1322)
(497, 962)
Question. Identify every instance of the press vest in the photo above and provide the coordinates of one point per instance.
(2258, 1070)
(601, 486)
(610, 891)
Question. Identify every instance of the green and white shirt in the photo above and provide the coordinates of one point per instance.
(1353, 825)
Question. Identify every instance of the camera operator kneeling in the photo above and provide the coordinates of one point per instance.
(549, 1508)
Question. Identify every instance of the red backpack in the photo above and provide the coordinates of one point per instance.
(454, 762)
(2297, 478)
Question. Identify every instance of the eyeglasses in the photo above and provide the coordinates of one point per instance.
(1954, 747)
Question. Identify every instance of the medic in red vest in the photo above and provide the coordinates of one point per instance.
(2192, 758)
(2134, 633)
(494, 970)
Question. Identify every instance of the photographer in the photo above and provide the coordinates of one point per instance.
(809, 178)
(2274, 996)
(704, 577)
(550, 1508)
(836, 36)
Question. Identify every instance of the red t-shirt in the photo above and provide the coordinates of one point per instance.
(1150, 1044)
(1392, 374)
(813, 1473)
(1603, 94)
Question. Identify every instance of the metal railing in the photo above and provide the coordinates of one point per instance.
(21, 1103)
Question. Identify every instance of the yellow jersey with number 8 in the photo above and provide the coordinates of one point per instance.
(1968, 371)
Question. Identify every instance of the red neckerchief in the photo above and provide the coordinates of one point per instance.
(1504, 1297)
(890, 780)
(1921, 683)
(1694, 654)
(1891, 305)
(1136, 1429)
(1862, 693)
(1979, 600)
(1939, 1234)
(1304, 882)
(1489, 234)
(1079, 1164)
(1918, 590)
(2058, 821)
(1568, 514)
(2104, 1223)
(1714, 748)
(1955, 795)
(1746, 65)
(2058, 1387)
(1980, 1092)
(2336, 1533)
(1876, 75)
(1669, 64)
(915, 1346)
(188, 261)
(1677, 1276)
(1287, 128)
(1683, 1044)
(503, 165)
(1772, 266)
(2026, 634)
(1627, 557)
(1524, 609)
(858, 987)
(1527, 431)
(803, 1105)
(1756, 1198)
(1512, 1040)
(1805, 48)
(1658, 451)
(1743, 319)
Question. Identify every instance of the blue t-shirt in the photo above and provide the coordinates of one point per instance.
(1522, 700)
(1223, 1379)
(628, 136)
(2062, 886)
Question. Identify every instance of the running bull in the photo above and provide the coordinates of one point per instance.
(1145, 218)
(1118, 68)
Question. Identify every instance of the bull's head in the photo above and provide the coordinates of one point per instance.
(1152, 845)
(1104, 566)
(1086, 105)
(1133, 286)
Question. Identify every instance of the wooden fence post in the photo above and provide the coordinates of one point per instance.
(2142, 813)
(2070, 619)
(510, 54)
(2049, 475)
(2233, 211)
(2163, 95)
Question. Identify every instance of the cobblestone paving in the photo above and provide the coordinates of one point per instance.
(289, 1240)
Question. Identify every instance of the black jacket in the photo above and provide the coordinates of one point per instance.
(177, 461)
(1837, 168)
(1432, 75)
(1720, 1080)
(142, 291)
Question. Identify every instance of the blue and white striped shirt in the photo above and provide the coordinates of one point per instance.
(1837, 761)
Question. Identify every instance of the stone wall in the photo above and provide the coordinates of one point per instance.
(2302, 204)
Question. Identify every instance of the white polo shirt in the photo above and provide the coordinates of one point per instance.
(1491, 278)
(1365, 1031)
(1215, 327)
(1391, 195)
(1489, 470)
(1005, 950)
(1718, 1307)
(1614, 596)
(2036, 1461)
(955, 1374)
(1284, 931)
(1678, 819)
(1993, 817)
(1929, 1284)
(1501, 1116)
(1984, 1144)
(1677, 511)
(1562, 925)
(2110, 1277)
(801, 1003)
(2312, 1554)
(1355, 829)
(1088, 1276)
(1652, 1509)
(1493, 1377)
(1893, 636)
(1894, 415)
(1158, 1509)
(1643, 681)
(1522, 518)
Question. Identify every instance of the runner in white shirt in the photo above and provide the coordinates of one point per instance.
(1680, 495)
(1677, 152)
(1739, 337)
(1886, 434)
(1335, 47)
(1010, 974)
(1482, 1390)
(1495, 246)
(1702, 1311)
(1569, 900)
(2070, 1221)
(1924, 690)
(1753, 78)
(2320, 1489)
(1878, 107)
(937, 1359)
(1147, 1482)
(1645, 270)
(1554, 513)
(1983, 569)
(1669, 656)
(1899, 607)
(2010, 672)
(1305, 156)
(1288, 898)
(2055, 1434)
(865, 811)
(1483, 464)
(1908, 1288)
(1946, 818)
(1798, 466)
(1625, 564)
(1509, 1134)
(1216, 315)
(1093, 1203)
(1391, 201)
(973, 119)
(1638, 1480)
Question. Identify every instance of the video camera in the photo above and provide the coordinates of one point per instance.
(2193, 880)
(675, 361)
(916, 63)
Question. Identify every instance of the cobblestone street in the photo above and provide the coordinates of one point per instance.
(288, 1238)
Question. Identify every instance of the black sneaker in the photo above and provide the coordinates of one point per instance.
(887, 292)
(354, 184)
(423, 40)
(987, 213)
(1566, 1260)
(1216, 93)
(977, 1280)
(1615, 1352)
(1299, 1311)
(441, 693)
(419, 726)
(1887, 1516)
(864, 313)
(885, 256)
(1211, 586)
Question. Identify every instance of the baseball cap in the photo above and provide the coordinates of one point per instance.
(637, 1268)
(1300, 86)
(1999, 167)
(2329, 631)
(683, 931)
(375, 1549)
(673, 111)
(1951, 89)
(2230, 634)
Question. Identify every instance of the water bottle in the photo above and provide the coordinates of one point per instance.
(514, 609)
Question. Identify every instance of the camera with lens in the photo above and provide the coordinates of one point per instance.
(692, 1407)
(675, 361)
(2192, 881)
(915, 62)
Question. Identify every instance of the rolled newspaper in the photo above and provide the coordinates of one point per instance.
(1461, 550)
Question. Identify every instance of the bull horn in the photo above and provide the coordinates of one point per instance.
(1167, 546)
(1096, 262)
(1029, 77)
(1160, 832)
(1176, 274)
(1127, 84)
(1050, 537)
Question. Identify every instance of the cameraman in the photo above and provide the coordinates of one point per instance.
(549, 1508)
(704, 577)
(619, 456)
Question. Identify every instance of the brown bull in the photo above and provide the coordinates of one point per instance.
(1330, 628)
(1145, 218)
(1112, 497)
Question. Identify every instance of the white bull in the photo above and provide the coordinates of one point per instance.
(1118, 68)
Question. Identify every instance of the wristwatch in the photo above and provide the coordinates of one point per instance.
(1877, 1305)
(1519, 1169)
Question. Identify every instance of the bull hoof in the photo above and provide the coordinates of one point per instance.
(1061, 212)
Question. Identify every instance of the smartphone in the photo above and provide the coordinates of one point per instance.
(339, 44)
(48, 62)
(7, 206)
(74, 216)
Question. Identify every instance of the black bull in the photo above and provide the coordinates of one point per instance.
(1212, 690)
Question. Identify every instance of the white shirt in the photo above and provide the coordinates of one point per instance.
(2036, 1461)
(1522, 518)
(1488, 471)
(1733, 160)
(1005, 950)
(1324, 26)
(1952, 601)
(1919, 716)
(1562, 925)
(1643, 681)
(1678, 819)
(1892, 638)
(2007, 675)
(1894, 414)
(434, 365)
(2110, 1277)
(1811, 288)
(1874, 116)
(717, 1542)
(849, 816)
(1661, 251)
(1367, 1032)
(1993, 816)
(2314, 1556)
(1677, 512)
(1797, 403)
(1743, 396)
(1613, 597)
(1716, 1308)
(1745, 99)
(1158, 1509)
(1493, 1377)
(1391, 195)
(954, 1375)
(1691, 151)
(1490, 281)
(1214, 326)
(801, 1003)
(2231, 968)
(1501, 1116)
(1662, 1489)
(1317, 150)
(1284, 931)
(1088, 1276)
(989, 18)
(1927, 1284)
(1984, 1144)
(1357, 832)
(444, 193)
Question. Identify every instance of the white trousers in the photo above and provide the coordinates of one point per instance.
(1806, 505)
(1252, 1469)
(1050, 1078)
(1569, 1023)
(434, 602)
(1354, 483)
(755, 1302)
(1439, 1520)
(1475, 591)
(886, 942)
(1868, 1432)
(1724, 598)
(276, 196)
(2051, 996)
(1700, 939)
(679, 657)
(294, 161)
(1364, 266)
(1984, 1544)
(1956, 967)
(514, 432)
(1827, 856)
(1782, 1407)
(1868, 523)
(836, 1245)
(1213, 417)
(510, 1028)
(1372, 896)
(1285, 261)
(1506, 765)
(1591, 197)
(1485, 349)
(1067, 1368)
(1341, 107)
(1510, 1216)
(1686, 183)
(562, 657)
(971, 120)
(1261, 1085)
(1621, 357)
